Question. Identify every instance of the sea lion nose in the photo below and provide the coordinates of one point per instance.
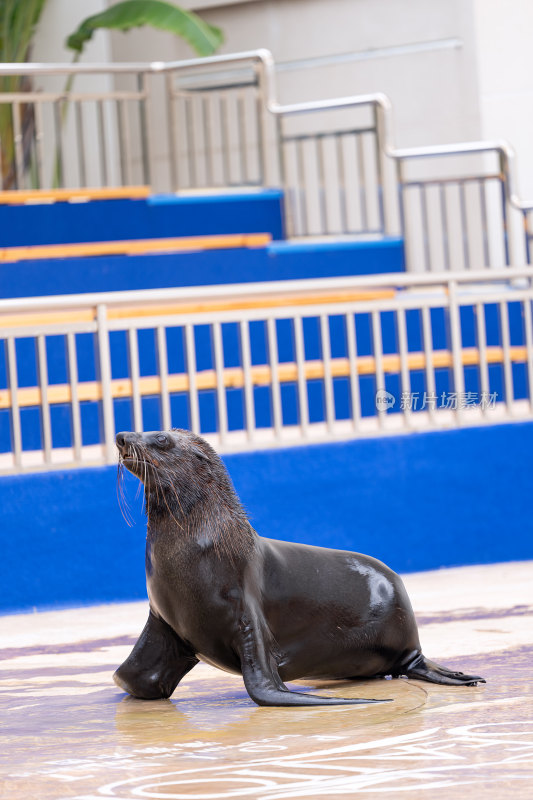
(124, 438)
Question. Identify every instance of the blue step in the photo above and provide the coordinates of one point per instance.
(158, 216)
(278, 261)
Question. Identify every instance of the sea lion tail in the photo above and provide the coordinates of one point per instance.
(425, 670)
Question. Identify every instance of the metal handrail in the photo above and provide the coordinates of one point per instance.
(447, 293)
(263, 61)
(271, 289)
(62, 68)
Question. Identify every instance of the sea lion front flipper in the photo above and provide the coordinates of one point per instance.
(261, 677)
(156, 664)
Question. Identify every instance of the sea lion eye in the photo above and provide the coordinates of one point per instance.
(161, 439)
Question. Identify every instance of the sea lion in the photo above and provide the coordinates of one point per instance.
(271, 610)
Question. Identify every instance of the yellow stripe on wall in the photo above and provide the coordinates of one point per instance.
(261, 375)
(21, 196)
(38, 318)
(135, 246)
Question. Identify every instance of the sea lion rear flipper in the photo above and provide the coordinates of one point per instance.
(261, 677)
(425, 670)
(156, 664)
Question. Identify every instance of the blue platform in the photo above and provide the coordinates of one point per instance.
(417, 501)
(278, 261)
(158, 216)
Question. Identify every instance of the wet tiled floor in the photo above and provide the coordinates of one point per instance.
(68, 732)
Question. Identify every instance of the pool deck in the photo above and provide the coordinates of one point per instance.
(66, 731)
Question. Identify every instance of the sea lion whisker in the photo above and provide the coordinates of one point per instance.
(172, 515)
(159, 475)
(117, 489)
(146, 482)
(124, 513)
(153, 483)
(129, 513)
(136, 463)
(156, 486)
(173, 489)
(164, 472)
(148, 486)
(122, 504)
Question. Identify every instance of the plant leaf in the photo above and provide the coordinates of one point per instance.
(202, 37)
(17, 26)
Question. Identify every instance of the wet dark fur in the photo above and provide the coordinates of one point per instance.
(186, 485)
(271, 610)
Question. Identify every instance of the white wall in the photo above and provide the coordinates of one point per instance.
(420, 53)
(59, 19)
(454, 69)
(505, 75)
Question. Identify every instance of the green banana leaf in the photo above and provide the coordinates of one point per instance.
(18, 21)
(202, 37)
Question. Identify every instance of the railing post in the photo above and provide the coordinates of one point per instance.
(104, 361)
(456, 347)
(402, 213)
(16, 428)
(516, 249)
(384, 223)
(288, 205)
(507, 232)
(143, 121)
(387, 174)
(527, 235)
(173, 152)
(194, 408)
(269, 141)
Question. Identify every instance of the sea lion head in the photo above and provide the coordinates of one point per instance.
(186, 487)
(163, 458)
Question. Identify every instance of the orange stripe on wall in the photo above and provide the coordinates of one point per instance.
(261, 375)
(135, 246)
(20, 196)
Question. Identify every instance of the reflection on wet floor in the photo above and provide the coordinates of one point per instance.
(68, 732)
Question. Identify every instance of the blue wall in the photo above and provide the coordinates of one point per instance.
(204, 267)
(417, 501)
(157, 216)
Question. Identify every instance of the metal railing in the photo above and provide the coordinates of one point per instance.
(216, 123)
(216, 127)
(455, 221)
(331, 167)
(90, 135)
(120, 124)
(260, 365)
